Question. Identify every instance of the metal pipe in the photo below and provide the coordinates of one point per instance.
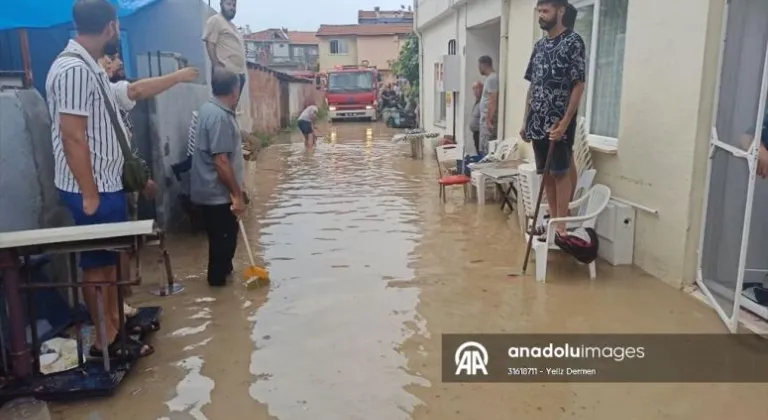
(120, 308)
(77, 285)
(20, 359)
(32, 317)
(503, 71)
(25, 57)
(76, 305)
(635, 205)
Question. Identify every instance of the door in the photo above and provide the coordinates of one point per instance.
(731, 173)
(285, 109)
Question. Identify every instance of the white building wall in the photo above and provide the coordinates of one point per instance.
(434, 45)
(439, 23)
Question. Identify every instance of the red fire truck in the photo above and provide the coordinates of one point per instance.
(352, 92)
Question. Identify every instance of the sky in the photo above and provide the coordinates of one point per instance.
(304, 15)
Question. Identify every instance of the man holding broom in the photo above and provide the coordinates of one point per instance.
(216, 180)
(556, 72)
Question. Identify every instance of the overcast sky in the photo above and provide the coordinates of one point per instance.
(304, 15)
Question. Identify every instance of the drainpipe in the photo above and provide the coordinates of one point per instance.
(420, 36)
(503, 64)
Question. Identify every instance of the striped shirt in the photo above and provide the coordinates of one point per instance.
(72, 88)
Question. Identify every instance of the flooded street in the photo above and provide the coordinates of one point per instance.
(369, 268)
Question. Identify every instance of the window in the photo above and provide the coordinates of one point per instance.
(339, 47)
(603, 26)
(439, 96)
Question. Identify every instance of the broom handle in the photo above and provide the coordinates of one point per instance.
(547, 163)
(245, 239)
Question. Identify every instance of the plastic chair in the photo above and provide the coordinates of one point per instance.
(594, 202)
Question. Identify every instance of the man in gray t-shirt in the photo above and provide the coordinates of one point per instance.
(216, 177)
(488, 103)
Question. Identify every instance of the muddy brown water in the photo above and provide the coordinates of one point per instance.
(369, 268)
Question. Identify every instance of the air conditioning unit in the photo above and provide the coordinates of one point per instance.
(616, 232)
(451, 74)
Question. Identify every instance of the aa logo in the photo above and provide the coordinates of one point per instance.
(471, 358)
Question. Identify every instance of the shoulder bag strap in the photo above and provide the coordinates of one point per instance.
(109, 105)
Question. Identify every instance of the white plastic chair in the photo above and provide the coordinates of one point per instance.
(506, 149)
(594, 202)
(528, 186)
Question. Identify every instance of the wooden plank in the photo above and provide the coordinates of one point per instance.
(68, 234)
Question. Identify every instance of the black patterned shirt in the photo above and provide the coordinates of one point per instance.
(556, 66)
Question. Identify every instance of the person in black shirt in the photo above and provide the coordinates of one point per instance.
(556, 72)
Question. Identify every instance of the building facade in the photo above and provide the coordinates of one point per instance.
(649, 102)
(283, 49)
(377, 45)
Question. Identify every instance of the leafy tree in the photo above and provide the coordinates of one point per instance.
(407, 64)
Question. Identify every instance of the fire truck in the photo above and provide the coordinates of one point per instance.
(352, 92)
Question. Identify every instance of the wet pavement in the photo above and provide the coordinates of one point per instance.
(369, 268)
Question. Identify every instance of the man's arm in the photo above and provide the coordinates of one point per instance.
(210, 37)
(573, 103)
(73, 103)
(528, 77)
(147, 88)
(527, 105)
(578, 77)
(227, 174)
(493, 97)
(223, 143)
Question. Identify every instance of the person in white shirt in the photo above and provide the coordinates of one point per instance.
(88, 161)
(306, 124)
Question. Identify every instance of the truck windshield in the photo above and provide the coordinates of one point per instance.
(350, 81)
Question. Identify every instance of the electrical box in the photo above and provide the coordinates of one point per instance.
(451, 69)
(616, 232)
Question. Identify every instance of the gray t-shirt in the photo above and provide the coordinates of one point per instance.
(217, 132)
(491, 85)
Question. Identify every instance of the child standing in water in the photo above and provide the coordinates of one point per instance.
(306, 124)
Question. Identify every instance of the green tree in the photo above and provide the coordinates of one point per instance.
(407, 64)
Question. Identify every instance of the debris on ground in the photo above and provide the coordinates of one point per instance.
(25, 409)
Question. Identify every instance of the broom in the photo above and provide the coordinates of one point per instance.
(253, 275)
(547, 163)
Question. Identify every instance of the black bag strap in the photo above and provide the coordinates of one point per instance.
(119, 132)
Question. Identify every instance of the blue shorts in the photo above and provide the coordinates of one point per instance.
(305, 127)
(113, 208)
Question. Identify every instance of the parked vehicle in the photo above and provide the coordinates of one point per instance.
(351, 92)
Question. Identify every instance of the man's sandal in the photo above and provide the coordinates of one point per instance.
(134, 349)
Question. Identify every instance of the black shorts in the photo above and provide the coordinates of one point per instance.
(561, 156)
(305, 127)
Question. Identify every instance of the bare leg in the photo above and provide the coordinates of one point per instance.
(110, 298)
(89, 295)
(574, 176)
(564, 192)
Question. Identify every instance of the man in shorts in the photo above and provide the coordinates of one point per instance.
(556, 72)
(306, 124)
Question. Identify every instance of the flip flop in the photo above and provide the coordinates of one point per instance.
(134, 349)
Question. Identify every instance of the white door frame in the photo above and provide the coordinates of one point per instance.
(732, 321)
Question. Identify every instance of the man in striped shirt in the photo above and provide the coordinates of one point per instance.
(87, 155)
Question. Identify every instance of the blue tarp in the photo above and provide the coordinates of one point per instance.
(47, 13)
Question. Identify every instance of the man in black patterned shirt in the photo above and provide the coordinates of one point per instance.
(557, 72)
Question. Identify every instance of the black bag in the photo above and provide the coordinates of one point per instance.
(135, 171)
(581, 244)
